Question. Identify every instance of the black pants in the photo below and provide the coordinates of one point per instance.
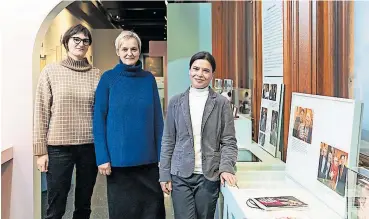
(61, 164)
(135, 193)
(194, 197)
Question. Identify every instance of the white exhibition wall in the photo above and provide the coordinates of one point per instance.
(335, 125)
(23, 25)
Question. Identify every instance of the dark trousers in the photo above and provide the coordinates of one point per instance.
(135, 193)
(59, 176)
(194, 197)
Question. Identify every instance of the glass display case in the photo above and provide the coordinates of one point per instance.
(357, 190)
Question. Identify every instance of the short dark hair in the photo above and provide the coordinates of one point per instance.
(205, 56)
(79, 28)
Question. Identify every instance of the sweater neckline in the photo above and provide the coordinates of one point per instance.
(199, 91)
(77, 65)
(130, 70)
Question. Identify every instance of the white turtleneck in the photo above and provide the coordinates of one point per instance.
(197, 101)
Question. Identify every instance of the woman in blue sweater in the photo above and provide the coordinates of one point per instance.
(128, 126)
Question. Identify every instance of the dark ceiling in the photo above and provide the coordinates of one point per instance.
(146, 18)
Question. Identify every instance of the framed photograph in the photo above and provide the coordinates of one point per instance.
(218, 83)
(228, 84)
(154, 65)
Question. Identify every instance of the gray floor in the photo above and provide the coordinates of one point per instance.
(99, 202)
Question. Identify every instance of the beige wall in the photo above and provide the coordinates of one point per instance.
(20, 64)
(104, 54)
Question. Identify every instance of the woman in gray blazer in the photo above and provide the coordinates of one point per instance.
(199, 148)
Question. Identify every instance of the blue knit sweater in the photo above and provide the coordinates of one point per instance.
(128, 121)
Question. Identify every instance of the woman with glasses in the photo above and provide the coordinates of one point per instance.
(63, 136)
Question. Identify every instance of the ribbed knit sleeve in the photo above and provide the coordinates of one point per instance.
(42, 113)
(99, 122)
(158, 118)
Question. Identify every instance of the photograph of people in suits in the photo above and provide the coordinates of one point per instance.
(263, 118)
(274, 129)
(303, 124)
(273, 92)
(332, 168)
(266, 91)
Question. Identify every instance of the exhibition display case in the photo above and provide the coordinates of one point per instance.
(357, 190)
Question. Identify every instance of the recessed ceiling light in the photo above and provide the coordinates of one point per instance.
(154, 12)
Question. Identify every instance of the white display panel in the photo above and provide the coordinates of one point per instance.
(272, 34)
(271, 114)
(323, 127)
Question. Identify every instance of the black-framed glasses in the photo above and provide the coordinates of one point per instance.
(78, 40)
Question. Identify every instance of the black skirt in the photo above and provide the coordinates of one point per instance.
(135, 193)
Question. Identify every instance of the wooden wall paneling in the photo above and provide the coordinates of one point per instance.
(241, 44)
(231, 32)
(325, 46)
(216, 35)
(313, 12)
(342, 48)
(224, 38)
(258, 65)
(350, 49)
(287, 71)
(304, 46)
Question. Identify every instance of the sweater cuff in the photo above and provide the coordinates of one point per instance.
(227, 169)
(39, 149)
(165, 176)
(100, 161)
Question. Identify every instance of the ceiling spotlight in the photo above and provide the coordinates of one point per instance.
(165, 18)
(117, 17)
(154, 12)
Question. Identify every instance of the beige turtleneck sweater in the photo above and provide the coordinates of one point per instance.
(64, 105)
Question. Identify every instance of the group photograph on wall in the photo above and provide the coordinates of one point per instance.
(270, 92)
(270, 114)
(303, 124)
(263, 119)
(274, 129)
(332, 168)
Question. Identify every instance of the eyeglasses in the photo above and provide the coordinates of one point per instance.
(78, 40)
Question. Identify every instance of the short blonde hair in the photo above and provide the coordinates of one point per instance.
(124, 35)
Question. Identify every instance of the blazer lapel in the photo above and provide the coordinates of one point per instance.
(209, 106)
(185, 104)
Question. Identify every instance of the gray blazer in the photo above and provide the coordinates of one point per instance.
(218, 141)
